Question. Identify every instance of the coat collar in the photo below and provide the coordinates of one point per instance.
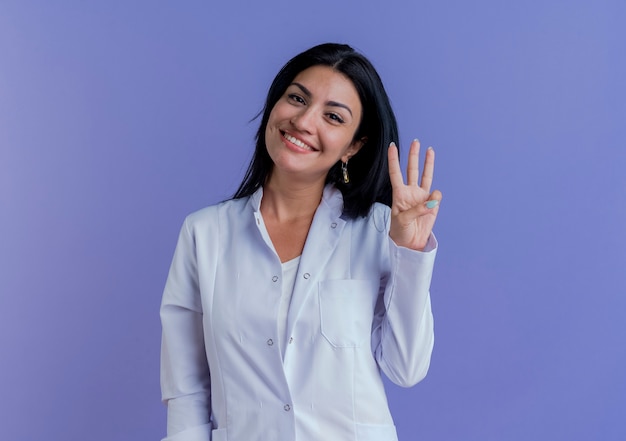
(332, 201)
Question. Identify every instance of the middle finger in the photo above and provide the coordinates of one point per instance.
(412, 170)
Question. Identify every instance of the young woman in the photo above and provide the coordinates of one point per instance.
(284, 304)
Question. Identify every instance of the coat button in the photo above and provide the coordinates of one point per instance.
(270, 342)
(290, 340)
(333, 225)
(287, 407)
(275, 279)
(306, 275)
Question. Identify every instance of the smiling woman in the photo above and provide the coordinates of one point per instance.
(312, 127)
(284, 304)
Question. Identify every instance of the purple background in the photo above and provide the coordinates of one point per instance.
(119, 118)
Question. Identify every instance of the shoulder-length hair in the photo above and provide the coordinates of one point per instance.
(368, 168)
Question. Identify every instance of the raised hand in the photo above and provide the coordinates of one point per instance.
(414, 208)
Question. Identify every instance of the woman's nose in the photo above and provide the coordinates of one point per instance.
(303, 121)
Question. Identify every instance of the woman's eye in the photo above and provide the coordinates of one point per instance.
(296, 98)
(335, 117)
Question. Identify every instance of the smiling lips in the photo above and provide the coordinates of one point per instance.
(297, 142)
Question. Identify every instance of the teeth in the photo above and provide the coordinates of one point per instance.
(296, 142)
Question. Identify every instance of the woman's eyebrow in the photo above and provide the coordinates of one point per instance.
(308, 93)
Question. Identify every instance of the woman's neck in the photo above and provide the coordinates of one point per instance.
(288, 211)
(286, 202)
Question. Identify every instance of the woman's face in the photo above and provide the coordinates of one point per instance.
(312, 126)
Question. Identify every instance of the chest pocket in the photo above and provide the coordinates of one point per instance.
(347, 310)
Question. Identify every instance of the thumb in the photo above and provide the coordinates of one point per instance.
(434, 199)
(431, 205)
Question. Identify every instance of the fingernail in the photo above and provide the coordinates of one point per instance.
(416, 140)
(432, 204)
(392, 144)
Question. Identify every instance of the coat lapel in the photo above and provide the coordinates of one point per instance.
(320, 244)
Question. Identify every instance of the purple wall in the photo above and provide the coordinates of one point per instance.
(119, 118)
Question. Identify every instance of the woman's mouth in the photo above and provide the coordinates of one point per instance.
(297, 142)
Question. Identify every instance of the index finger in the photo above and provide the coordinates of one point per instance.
(395, 173)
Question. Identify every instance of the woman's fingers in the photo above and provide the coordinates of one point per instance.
(412, 170)
(429, 169)
(429, 206)
(436, 196)
(395, 173)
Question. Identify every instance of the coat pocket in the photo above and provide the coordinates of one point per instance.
(347, 310)
(376, 432)
(219, 435)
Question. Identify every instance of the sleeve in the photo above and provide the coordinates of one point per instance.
(185, 377)
(403, 331)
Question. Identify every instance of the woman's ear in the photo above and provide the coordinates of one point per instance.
(354, 148)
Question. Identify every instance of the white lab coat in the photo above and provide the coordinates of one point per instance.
(360, 304)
